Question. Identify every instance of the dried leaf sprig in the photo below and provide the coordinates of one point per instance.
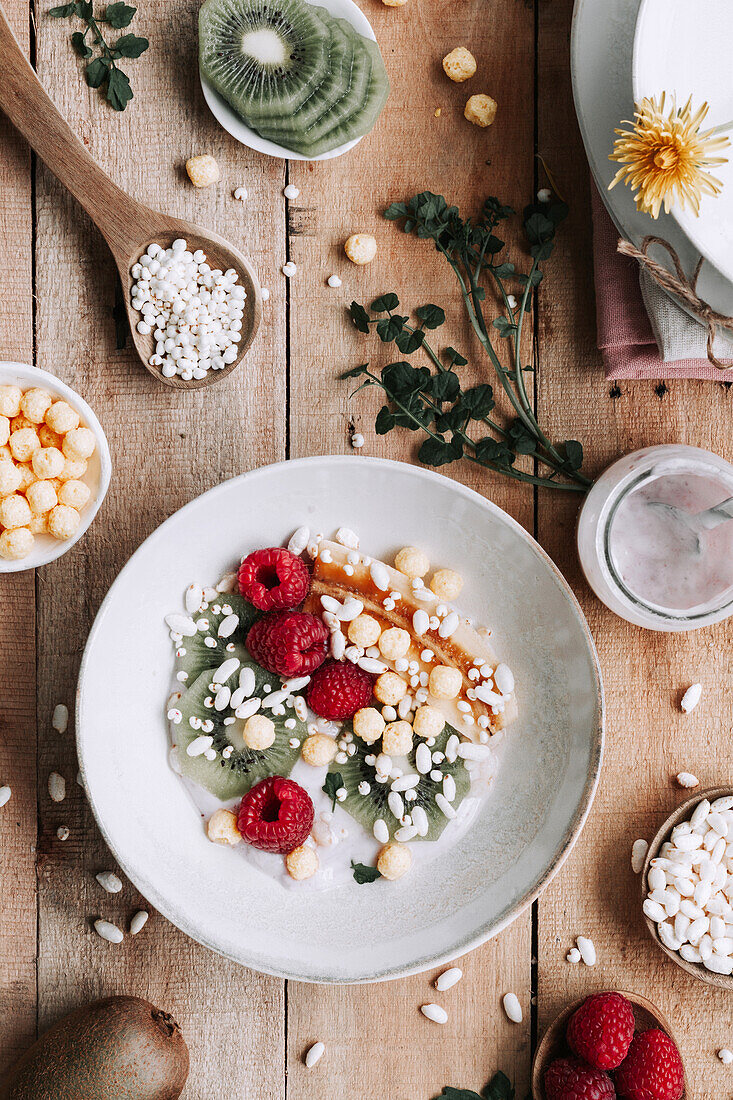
(431, 400)
(103, 71)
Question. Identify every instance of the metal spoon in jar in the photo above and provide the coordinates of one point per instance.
(697, 522)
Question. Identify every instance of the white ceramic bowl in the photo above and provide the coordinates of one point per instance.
(46, 548)
(227, 117)
(551, 755)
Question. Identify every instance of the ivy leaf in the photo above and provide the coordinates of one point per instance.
(83, 8)
(385, 421)
(355, 372)
(119, 15)
(524, 442)
(389, 328)
(408, 342)
(96, 71)
(363, 873)
(504, 271)
(478, 401)
(77, 41)
(63, 11)
(130, 45)
(396, 211)
(334, 781)
(445, 386)
(385, 303)
(503, 327)
(573, 453)
(455, 358)
(119, 92)
(499, 1088)
(431, 316)
(494, 452)
(439, 452)
(449, 1093)
(360, 317)
(402, 379)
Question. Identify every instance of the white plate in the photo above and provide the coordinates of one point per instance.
(551, 755)
(601, 51)
(99, 469)
(227, 117)
(683, 48)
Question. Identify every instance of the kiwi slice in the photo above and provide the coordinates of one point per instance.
(265, 57)
(232, 776)
(206, 650)
(366, 809)
(337, 98)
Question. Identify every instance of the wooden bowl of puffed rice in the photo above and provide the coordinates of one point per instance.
(55, 467)
(554, 1044)
(709, 815)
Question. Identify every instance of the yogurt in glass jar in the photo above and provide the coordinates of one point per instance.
(642, 560)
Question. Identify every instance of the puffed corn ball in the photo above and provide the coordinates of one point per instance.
(14, 511)
(4, 430)
(48, 437)
(394, 643)
(364, 631)
(302, 862)
(428, 722)
(38, 524)
(41, 497)
(10, 400)
(48, 462)
(259, 732)
(445, 682)
(394, 860)
(397, 739)
(23, 443)
(74, 469)
(459, 64)
(203, 170)
(79, 443)
(361, 248)
(412, 562)
(481, 110)
(75, 494)
(62, 418)
(394, 3)
(27, 476)
(21, 421)
(63, 522)
(16, 544)
(10, 477)
(35, 403)
(389, 688)
(222, 828)
(368, 724)
(446, 584)
(318, 750)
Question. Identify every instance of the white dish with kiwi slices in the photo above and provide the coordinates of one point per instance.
(289, 78)
(495, 829)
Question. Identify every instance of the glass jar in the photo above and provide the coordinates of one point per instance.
(633, 556)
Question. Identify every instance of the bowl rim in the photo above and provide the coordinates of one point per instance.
(56, 386)
(485, 932)
(682, 813)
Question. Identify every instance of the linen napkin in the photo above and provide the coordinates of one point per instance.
(642, 333)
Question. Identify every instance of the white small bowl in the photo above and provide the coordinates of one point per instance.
(46, 548)
(227, 117)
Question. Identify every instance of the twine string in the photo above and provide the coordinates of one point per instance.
(682, 287)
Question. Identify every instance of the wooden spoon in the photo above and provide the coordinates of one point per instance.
(127, 226)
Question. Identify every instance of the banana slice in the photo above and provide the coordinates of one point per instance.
(340, 572)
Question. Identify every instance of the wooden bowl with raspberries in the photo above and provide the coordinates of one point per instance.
(609, 1045)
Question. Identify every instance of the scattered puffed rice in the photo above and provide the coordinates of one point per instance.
(241, 194)
(334, 281)
(639, 850)
(357, 441)
(138, 922)
(687, 779)
(5, 793)
(587, 950)
(265, 294)
(291, 191)
(691, 698)
(726, 1056)
(435, 1013)
(60, 720)
(109, 881)
(448, 979)
(512, 1007)
(63, 833)
(109, 932)
(573, 955)
(314, 1054)
(57, 787)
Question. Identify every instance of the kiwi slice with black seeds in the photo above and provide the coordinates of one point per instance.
(232, 777)
(265, 57)
(366, 809)
(206, 650)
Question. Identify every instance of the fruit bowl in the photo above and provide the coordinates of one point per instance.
(228, 118)
(682, 813)
(553, 1044)
(46, 548)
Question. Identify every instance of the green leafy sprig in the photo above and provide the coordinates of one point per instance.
(334, 782)
(498, 1088)
(363, 873)
(103, 71)
(431, 399)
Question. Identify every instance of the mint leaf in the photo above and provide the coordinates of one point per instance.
(408, 342)
(77, 41)
(63, 11)
(431, 316)
(455, 358)
(499, 1088)
(363, 874)
(119, 92)
(119, 15)
(359, 316)
(334, 781)
(130, 45)
(386, 303)
(96, 72)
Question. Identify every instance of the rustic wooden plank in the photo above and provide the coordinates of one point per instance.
(17, 622)
(375, 1036)
(167, 447)
(648, 739)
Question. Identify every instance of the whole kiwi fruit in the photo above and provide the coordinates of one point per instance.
(121, 1048)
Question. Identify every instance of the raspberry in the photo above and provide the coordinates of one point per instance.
(276, 815)
(652, 1069)
(338, 690)
(273, 579)
(601, 1030)
(288, 643)
(570, 1079)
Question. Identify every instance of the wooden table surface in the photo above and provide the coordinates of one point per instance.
(248, 1032)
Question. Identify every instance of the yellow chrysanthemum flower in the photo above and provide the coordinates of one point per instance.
(665, 157)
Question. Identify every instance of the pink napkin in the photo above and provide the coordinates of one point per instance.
(625, 336)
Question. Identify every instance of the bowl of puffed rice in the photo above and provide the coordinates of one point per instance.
(55, 467)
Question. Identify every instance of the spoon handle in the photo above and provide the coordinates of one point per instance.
(25, 102)
(713, 517)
